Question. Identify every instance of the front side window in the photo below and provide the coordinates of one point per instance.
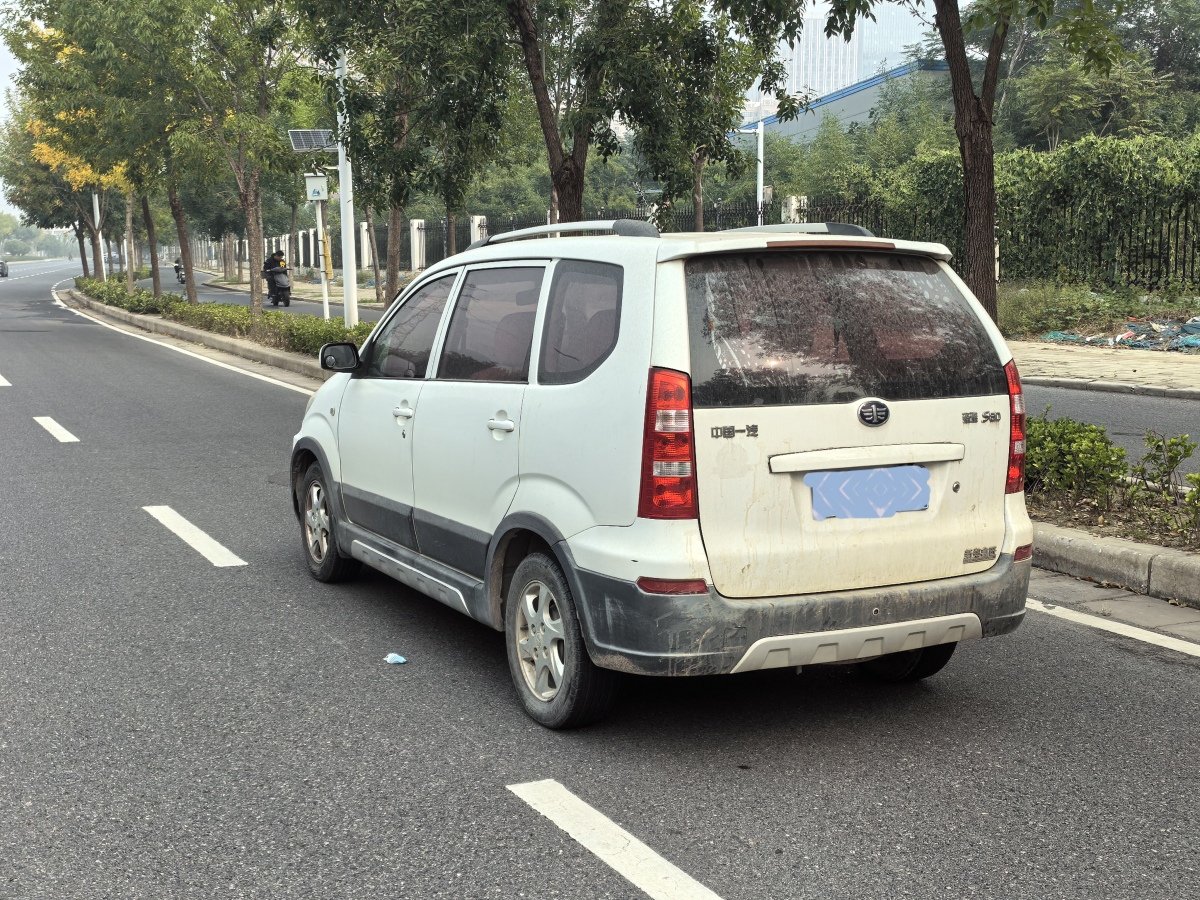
(583, 314)
(403, 346)
(806, 327)
(491, 332)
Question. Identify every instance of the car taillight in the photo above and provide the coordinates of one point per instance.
(668, 489)
(1016, 444)
(1023, 553)
(673, 586)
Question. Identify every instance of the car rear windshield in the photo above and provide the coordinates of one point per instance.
(806, 327)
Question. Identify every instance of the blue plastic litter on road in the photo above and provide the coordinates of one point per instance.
(395, 659)
(868, 493)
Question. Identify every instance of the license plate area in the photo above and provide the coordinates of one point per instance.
(868, 493)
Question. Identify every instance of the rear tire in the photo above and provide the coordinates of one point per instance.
(556, 681)
(318, 531)
(287, 299)
(910, 665)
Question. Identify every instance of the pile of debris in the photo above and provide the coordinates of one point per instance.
(1141, 334)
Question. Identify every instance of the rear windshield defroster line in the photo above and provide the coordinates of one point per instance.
(808, 327)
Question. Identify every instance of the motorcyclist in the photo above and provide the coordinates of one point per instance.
(273, 263)
(179, 268)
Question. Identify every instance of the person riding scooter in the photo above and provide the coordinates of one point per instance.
(278, 284)
(179, 269)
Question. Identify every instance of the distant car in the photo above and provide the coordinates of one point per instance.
(3, 269)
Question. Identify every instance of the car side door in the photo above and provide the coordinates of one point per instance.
(375, 430)
(465, 451)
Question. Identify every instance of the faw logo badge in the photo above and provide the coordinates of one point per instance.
(873, 413)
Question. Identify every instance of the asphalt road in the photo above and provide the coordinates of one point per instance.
(171, 729)
(207, 293)
(1127, 417)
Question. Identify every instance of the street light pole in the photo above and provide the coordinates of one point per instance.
(346, 193)
(760, 171)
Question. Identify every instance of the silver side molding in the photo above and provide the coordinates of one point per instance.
(410, 576)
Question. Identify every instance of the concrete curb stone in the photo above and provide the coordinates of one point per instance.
(1119, 387)
(283, 359)
(1146, 568)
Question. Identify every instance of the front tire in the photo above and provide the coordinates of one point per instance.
(556, 681)
(910, 665)
(318, 531)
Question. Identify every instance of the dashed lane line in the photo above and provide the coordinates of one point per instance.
(4, 382)
(1129, 631)
(194, 537)
(9, 278)
(615, 846)
(215, 362)
(63, 436)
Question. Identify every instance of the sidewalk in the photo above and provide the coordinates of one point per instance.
(1102, 369)
(303, 290)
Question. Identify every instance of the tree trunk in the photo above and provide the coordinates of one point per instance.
(973, 124)
(240, 241)
(82, 249)
(152, 240)
(130, 264)
(227, 264)
(698, 190)
(373, 243)
(566, 171)
(185, 244)
(451, 233)
(394, 246)
(97, 250)
(251, 199)
(294, 241)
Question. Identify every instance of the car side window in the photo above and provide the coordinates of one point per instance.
(583, 317)
(403, 346)
(491, 330)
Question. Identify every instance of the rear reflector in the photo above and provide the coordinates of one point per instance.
(1023, 553)
(668, 486)
(672, 586)
(1015, 482)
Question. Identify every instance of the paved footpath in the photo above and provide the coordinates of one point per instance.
(1041, 359)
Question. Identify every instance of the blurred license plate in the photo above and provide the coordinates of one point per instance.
(868, 493)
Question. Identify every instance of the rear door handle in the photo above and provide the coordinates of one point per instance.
(502, 425)
(402, 412)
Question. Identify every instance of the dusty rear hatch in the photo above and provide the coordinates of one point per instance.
(851, 421)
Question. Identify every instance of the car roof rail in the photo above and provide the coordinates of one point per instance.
(621, 227)
(840, 228)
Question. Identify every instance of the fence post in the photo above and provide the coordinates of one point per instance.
(416, 232)
(479, 229)
(364, 243)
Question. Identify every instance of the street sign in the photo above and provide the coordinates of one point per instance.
(316, 187)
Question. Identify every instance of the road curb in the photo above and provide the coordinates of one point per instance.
(1146, 568)
(282, 359)
(1112, 387)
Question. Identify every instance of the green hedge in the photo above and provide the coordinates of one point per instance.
(297, 332)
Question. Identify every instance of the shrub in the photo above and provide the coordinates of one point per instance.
(1076, 458)
(296, 332)
(1036, 307)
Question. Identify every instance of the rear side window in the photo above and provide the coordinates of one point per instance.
(830, 327)
(582, 320)
(403, 346)
(491, 331)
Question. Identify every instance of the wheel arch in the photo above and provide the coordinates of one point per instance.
(519, 535)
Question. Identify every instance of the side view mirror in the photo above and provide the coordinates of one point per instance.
(339, 357)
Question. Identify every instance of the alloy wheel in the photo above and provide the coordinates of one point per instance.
(316, 522)
(541, 640)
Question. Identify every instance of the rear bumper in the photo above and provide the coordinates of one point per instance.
(708, 634)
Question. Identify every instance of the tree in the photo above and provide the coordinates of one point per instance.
(690, 97)
(1084, 30)
(584, 60)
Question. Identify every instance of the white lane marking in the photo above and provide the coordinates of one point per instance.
(615, 846)
(1130, 631)
(216, 362)
(194, 537)
(8, 278)
(57, 430)
(4, 382)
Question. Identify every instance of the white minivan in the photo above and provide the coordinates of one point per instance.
(685, 454)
